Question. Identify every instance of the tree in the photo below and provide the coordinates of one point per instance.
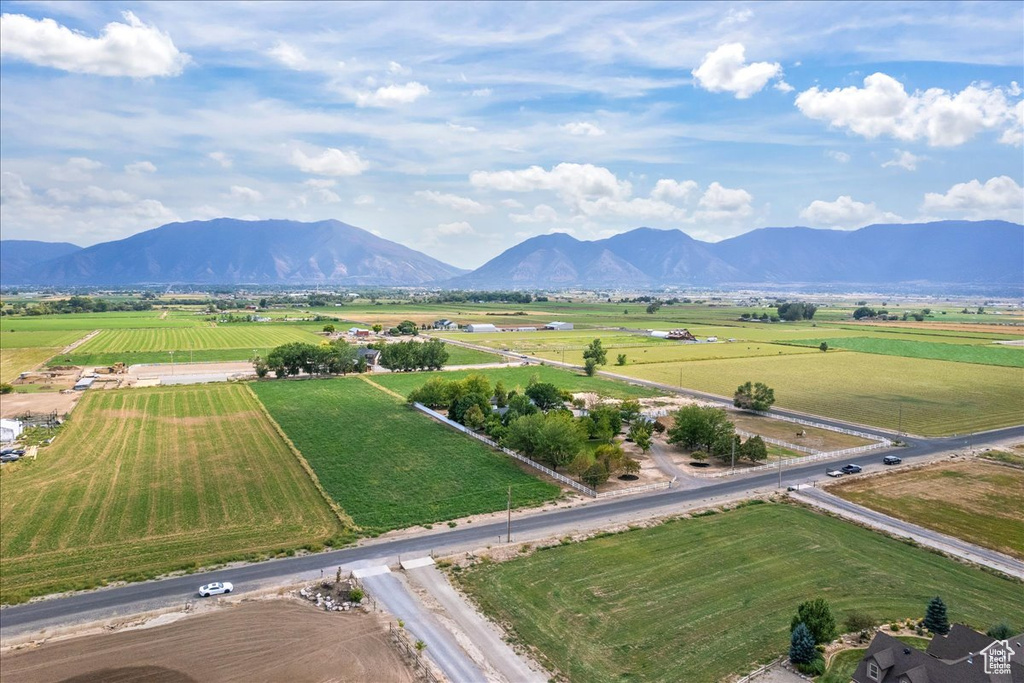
(461, 407)
(433, 394)
(561, 439)
(698, 427)
(478, 384)
(610, 416)
(378, 328)
(801, 646)
(474, 417)
(1000, 631)
(816, 616)
(595, 352)
(329, 328)
(630, 409)
(518, 406)
(758, 397)
(640, 433)
(754, 449)
(864, 312)
(258, 364)
(823, 347)
(620, 359)
(935, 619)
(500, 394)
(433, 355)
(653, 307)
(545, 395)
(590, 367)
(595, 475)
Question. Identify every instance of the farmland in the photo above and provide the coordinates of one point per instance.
(239, 336)
(388, 466)
(15, 361)
(961, 353)
(976, 501)
(147, 481)
(460, 355)
(10, 339)
(700, 599)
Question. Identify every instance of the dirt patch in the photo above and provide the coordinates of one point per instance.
(278, 640)
(16, 405)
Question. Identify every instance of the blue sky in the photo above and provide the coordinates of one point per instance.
(462, 129)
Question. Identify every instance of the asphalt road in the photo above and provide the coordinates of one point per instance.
(139, 597)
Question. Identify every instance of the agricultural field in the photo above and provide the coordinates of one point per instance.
(15, 361)
(11, 339)
(813, 437)
(389, 466)
(938, 398)
(100, 321)
(518, 377)
(1008, 356)
(460, 355)
(702, 599)
(680, 352)
(231, 336)
(148, 481)
(977, 501)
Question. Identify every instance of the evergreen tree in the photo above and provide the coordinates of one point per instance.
(935, 619)
(801, 645)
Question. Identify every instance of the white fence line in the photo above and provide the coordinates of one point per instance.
(780, 442)
(819, 425)
(629, 490)
(786, 462)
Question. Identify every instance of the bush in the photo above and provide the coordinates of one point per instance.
(1000, 631)
(6, 388)
(815, 667)
(356, 594)
(859, 621)
(894, 627)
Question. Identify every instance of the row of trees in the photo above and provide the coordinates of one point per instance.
(334, 358)
(412, 355)
(797, 310)
(75, 304)
(708, 432)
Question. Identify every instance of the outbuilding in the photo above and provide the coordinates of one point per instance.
(9, 430)
(481, 327)
(556, 325)
(84, 383)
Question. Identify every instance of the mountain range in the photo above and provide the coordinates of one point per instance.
(229, 251)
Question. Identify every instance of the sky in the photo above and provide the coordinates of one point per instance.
(462, 129)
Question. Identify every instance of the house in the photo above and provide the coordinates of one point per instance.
(681, 335)
(9, 430)
(558, 326)
(481, 327)
(445, 324)
(372, 356)
(961, 656)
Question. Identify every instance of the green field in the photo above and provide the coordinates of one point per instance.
(460, 355)
(388, 466)
(13, 362)
(404, 382)
(100, 321)
(10, 339)
(977, 501)
(937, 397)
(146, 481)
(678, 352)
(701, 599)
(961, 353)
(238, 336)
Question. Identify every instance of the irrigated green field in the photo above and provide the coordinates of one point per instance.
(977, 501)
(937, 397)
(100, 321)
(13, 362)
(676, 352)
(459, 355)
(702, 599)
(255, 336)
(388, 466)
(148, 481)
(1008, 356)
(10, 339)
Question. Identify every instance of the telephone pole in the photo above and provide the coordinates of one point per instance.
(508, 529)
(780, 471)
(734, 453)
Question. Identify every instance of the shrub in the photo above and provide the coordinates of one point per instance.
(894, 627)
(815, 667)
(6, 388)
(1000, 631)
(859, 621)
(356, 594)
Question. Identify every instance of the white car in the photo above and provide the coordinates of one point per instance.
(215, 588)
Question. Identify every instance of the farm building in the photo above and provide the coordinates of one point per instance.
(526, 329)
(372, 356)
(481, 327)
(660, 334)
(681, 335)
(84, 383)
(445, 324)
(558, 326)
(9, 430)
(358, 332)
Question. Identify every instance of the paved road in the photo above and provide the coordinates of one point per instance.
(138, 597)
(934, 539)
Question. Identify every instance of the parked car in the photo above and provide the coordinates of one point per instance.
(12, 451)
(851, 469)
(892, 460)
(834, 473)
(215, 588)
(9, 457)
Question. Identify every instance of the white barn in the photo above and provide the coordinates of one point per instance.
(558, 326)
(9, 430)
(481, 327)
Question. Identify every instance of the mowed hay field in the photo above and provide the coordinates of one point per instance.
(698, 600)
(145, 481)
(389, 466)
(13, 362)
(937, 397)
(977, 501)
(239, 336)
(989, 354)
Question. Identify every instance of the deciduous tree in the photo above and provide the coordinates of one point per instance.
(816, 615)
(758, 397)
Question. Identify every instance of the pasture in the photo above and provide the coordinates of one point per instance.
(148, 481)
(680, 352)
(100, 321)
(15, 361)
(702, 599)
(990, 354)
(11, 339)
(977, 501)
(230, 336)
(388, 466)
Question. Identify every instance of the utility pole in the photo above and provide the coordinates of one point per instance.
(508, 530)
(780, 471)
(899, 429)
(734, 452)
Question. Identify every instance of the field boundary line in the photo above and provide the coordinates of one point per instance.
(343, 517)
(383, 388)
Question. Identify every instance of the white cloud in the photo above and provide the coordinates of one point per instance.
(782, 86)
(221, 158)
(725, 70)
(944, 119)
(482, 92)
(140, 167)
(331, 161)
(364, 200)
(91, 194)
(669, 190)
(13, 188)
(451, 201)
(245, 194)
(75, 169)
(457, 228)
(904, 160)
(290, 55)
(542, 213)
(320, 183)
(461, 128)
(847, 213)
(718, 198)
(999, 197)
(570, 181)
(396, 69)
(841, 157)
(130, 49)
(511, 204)
(388, 95)
(584, 128)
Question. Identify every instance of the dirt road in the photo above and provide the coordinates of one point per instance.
(269, 640)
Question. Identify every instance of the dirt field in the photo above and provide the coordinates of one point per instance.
(14, 405)
(273, 640)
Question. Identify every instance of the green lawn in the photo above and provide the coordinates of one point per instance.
(961, 353)
(701, 599)
(388, 466)
(405, 382)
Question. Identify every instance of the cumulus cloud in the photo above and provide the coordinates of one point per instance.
(13, 189)
(221, 158)
(140, 167)
(942, 118)
(457, 228)
(289, 55)
(847, 213)
(584, 128)
(999, 197)
(364, 200)
(91, 194)
(904, 160)
(132, 49)
(452, 201)
(75, 169)
(542, 213)
(725, 70)
(331, 161)
(669, 190)
(388, 95)
(245, 194)
(841, 157)
(570, 181)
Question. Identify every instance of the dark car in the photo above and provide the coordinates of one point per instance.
(851, 469)
(892, 460)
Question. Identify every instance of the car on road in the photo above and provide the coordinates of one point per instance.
(851, 469)
(834, 473)
(892, 460)
(215, 588)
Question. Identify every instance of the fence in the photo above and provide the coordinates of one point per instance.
(780, 442)
(786, 462)
(401, 640)
(630, 490)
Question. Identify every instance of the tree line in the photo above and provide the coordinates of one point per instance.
(338, 357)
